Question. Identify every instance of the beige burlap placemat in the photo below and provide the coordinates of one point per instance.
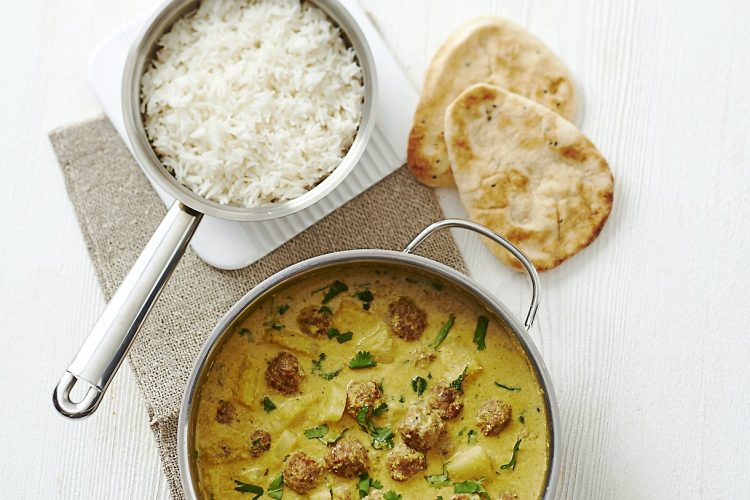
(118, 210)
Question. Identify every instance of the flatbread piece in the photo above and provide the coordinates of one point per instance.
(485, 50)
(528, 174)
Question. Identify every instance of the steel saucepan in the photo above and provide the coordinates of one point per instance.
(405, 260)
(106, 346)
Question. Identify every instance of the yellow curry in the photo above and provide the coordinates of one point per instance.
(371, 383)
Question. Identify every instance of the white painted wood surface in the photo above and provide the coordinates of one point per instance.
(645, 333)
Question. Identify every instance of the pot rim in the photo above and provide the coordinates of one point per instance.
(348, 257)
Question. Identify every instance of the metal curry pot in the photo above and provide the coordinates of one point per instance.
(405, 260)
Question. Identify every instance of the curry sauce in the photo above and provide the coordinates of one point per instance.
(371, 382)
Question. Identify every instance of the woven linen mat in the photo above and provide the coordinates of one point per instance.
(118, 210)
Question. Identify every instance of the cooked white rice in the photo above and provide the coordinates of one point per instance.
(252, 102)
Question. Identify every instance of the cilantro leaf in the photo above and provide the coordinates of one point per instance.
(481, 332)
(276, 488)
(443, 333)
(391, 495)
(471, 486)
(363, 359)
(458, 383)
(512, 462)
(248, 488)
(317, 432)
(334, 289)
(268, 405)
(439, 480)
(245, 332)
(318, 368)
(471, 437)
(283, 308)
(380, 409)
(507, 387)
(325, 310)
(381, 437)
(340, 337)
(419, 384)
(365, 483)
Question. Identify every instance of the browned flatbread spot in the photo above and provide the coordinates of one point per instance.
(531, 176)
(485, 50)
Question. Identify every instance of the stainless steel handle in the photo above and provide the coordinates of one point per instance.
(477, 228)
(106, 346)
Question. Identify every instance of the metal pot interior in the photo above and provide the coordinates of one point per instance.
(377, 258)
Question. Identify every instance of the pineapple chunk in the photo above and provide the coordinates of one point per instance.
(472, 463)
(295, 341)
(336, 403)
(249, 385)
(291, 409)
(454, 358)
(284, 445)
(321, 494)
(369, 330)
(343, 491)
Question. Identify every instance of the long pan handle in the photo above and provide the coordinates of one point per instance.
(106, 346)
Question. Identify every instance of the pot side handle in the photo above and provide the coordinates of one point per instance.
(478, 228)
(109, 341)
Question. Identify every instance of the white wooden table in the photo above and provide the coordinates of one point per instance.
(646, 333)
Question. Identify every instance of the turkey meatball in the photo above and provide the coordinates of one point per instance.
(361, 394)
(445, 400)
(493, 416)
(284, 373)
(301, 472)
(313, 322)
(347, 458)
(225, 412)
(403, 462)
(260, 441)
(406, 320)
(421, 427)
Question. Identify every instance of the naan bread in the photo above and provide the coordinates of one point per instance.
(486, 50)
(527, 174)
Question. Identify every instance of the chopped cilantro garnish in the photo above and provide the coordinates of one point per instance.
(402, 399)
(340, 337)
(362, 417)
(457, 384)
(334, 289)
(380, 409)
(391, 495)
(419, 384)
(507, 387)
(512, 462)
(268, 405)
(381, 436)
(521, 418)
(481, 332)
(365, 483)
(363, 359)
(276, 488)
(318, 368)
(439, 480)
(317, 432)
(443, 333)
(366, 297)
(472, 487)
(248, 488)
(245, 332)
(325, 310)
(283, 308)
(471, 437)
